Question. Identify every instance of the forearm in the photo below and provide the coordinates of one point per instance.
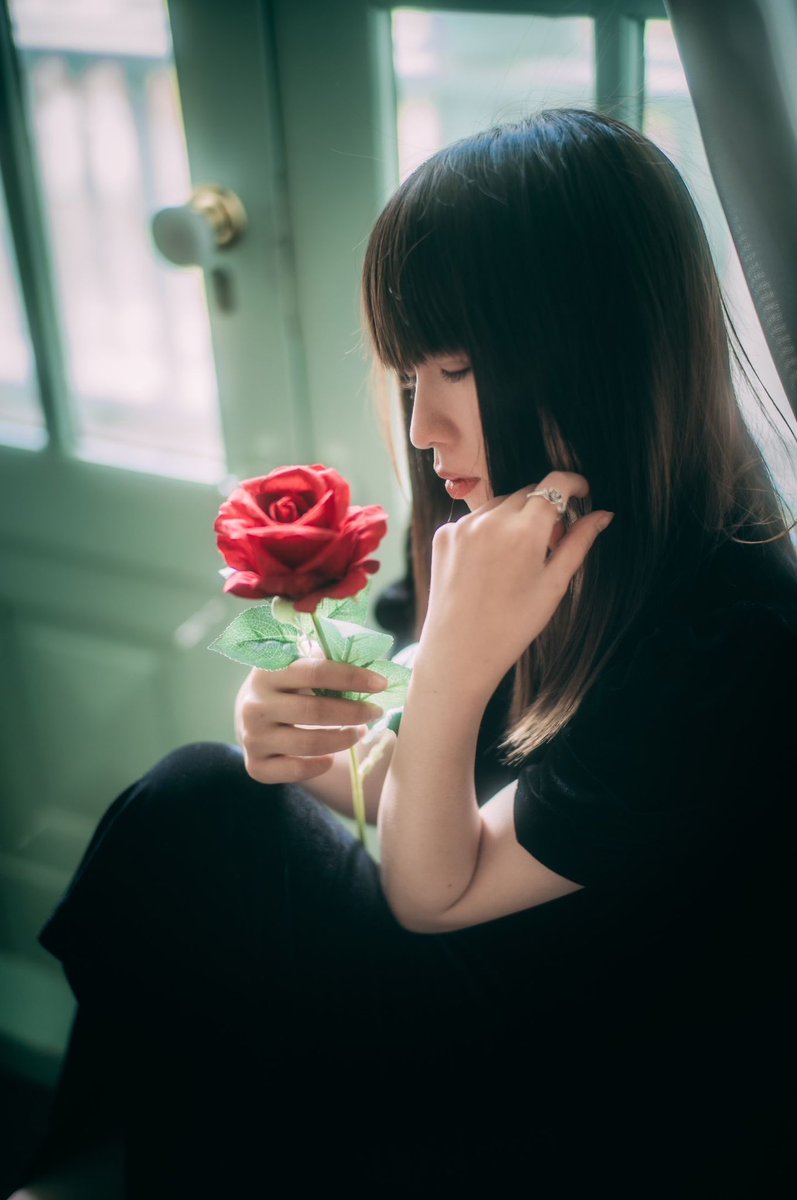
(429, 824)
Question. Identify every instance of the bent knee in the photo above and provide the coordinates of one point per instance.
(209, 780)
(201, 776)
(196, 764)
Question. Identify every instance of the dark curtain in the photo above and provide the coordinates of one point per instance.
(740, 60)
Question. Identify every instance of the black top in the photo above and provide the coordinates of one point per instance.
(670, 796)
(681, 750)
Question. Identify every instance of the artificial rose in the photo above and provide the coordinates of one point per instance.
(293, 533)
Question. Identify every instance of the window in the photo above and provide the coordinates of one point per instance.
(106, 127)
(21, 419)
(457, 72)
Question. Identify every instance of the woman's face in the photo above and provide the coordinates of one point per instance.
(446, 419)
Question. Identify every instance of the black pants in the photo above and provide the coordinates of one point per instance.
(248, 1005)
(250, 1012)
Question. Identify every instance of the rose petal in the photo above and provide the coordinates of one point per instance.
(354, 582)
(245, 584)
(340, 490)
(324, 513)
(369, 525)
(248, 552)
(292, 546)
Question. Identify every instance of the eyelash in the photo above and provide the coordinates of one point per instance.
(450, 376)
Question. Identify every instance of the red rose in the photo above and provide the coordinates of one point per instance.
(292, 533)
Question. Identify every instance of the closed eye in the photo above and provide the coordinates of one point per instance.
(409, 381)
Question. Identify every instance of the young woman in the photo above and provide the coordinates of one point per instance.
(568, 969)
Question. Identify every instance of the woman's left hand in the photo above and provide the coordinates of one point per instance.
(495, 586)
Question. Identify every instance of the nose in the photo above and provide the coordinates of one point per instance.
(427, 427)
(415, 427)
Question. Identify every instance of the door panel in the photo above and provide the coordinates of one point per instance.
(109, 585)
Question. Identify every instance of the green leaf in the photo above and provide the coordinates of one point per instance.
(353, 608)
(260, 624)
(367, 646)
(268, 656)
(256, 639)
(398, 681)
(353, 643)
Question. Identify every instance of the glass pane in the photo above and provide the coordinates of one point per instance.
(111, 151)
(457, 73)
(669, 119)
(21, 420)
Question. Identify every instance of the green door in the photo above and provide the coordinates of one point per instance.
(132, 393)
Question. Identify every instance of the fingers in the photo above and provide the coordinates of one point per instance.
(299, 743)
(280, 769)
(568, 483)
(542, 503)
(292, 708)
(318, 673)
(568, 544)
(552, 494)
(557, 533)
(285, 754)
(573, 548)
(274, 706)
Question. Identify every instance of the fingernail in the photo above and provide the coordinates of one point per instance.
(605, 520)
(379, 682)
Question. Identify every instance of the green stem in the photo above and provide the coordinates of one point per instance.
(322, 638)
(358, 799)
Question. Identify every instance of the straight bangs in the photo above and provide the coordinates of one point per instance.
(412, 278)
(445, 273)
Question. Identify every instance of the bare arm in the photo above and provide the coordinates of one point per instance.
(445, 863)
(498, 575)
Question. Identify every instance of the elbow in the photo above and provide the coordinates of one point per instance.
(412, 918)
(416, 922)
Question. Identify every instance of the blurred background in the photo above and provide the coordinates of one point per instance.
(187, 191)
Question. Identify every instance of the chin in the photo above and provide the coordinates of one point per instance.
(477, 498)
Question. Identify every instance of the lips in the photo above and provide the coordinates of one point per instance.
(458, 489)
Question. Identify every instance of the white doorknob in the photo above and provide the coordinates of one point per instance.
(189, 235)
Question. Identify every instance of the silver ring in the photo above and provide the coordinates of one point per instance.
(554, 496)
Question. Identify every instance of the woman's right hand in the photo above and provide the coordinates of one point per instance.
(271, 707)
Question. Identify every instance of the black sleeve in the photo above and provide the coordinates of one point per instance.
(672, 754)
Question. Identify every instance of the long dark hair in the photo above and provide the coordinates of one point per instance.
(565, 256)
